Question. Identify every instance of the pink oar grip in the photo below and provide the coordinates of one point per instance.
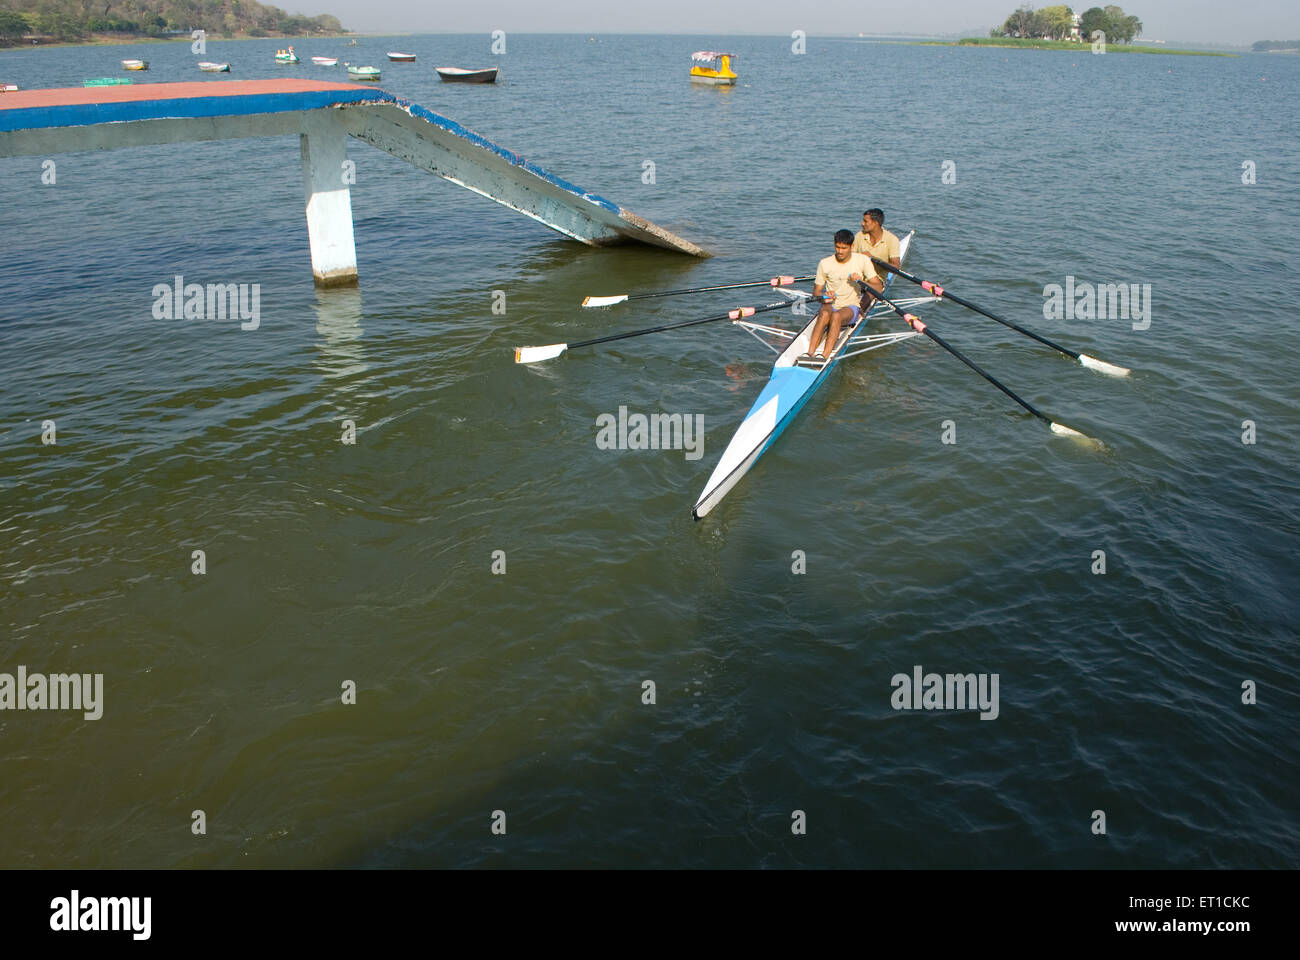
(932, 287)
(781, 281)
(914, 322)
(742, 312)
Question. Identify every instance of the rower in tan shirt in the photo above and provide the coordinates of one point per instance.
(873, 240)
(838, 280)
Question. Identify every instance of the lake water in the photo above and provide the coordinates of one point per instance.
(522, 692)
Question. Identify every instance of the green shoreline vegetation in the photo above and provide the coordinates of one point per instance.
(1035, 44)
(27, 23)
(1060, 28)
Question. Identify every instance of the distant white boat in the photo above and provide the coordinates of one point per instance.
(8, 88)
(401, 57)
(209, 67)
(325, 61)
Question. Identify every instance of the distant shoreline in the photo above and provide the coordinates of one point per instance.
(124, 39)
(1009, 43)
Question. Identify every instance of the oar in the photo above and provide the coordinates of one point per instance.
(1092, 363)
(534, 354)
(916, 324)
(610, 301)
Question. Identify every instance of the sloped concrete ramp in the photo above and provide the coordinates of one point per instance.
(44, 122)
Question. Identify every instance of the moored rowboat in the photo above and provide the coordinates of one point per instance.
(209, 67)
(325, 61)
(363, 73)
(457, 75)
(401, 57)
(136, 64)
(790, 386)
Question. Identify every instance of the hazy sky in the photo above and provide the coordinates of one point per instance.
(1241, 22)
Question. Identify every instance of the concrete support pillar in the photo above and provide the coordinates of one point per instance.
(325, 178)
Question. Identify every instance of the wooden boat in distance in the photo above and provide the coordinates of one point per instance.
(401, 57)
(325, 61)
(208, 67)
(286, 56)
(363, 73)
(136, 64)
(718, 71)
(107, 82)
(457, 75)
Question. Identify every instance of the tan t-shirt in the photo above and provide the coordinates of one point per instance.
(832, 273)
(886, 249)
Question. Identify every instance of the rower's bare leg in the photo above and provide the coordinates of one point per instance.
(840, 317)
(819, 327)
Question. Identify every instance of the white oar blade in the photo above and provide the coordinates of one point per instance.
(1101, 366)
(536, 354)
(603, 301)
(1061, 430)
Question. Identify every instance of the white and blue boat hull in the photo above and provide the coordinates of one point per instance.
(786, 392)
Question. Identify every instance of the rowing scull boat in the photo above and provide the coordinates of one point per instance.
(789, 388)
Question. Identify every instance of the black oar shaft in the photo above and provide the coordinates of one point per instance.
(970, 363)
(685, 323)
(944, 294)
(725, 286)
(923, 328)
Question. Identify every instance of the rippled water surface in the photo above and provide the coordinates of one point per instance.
(522, 692)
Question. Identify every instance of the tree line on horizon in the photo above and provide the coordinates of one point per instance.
(1264, 46)
(1056, 22)
(70, 20)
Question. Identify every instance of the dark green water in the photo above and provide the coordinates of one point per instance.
(521, 692)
